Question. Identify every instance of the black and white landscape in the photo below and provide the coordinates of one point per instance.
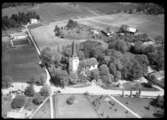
(82, 60)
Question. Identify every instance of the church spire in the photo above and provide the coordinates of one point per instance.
(74, 51)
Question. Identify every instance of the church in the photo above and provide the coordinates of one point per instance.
(88, 64)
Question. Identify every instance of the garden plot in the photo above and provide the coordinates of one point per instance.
(21, 63)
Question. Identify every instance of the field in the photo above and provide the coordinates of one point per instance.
(108, 109)
(21, 63)
(57, 11)
(139, 105)
(81, 108)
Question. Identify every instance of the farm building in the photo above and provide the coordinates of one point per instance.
(20, 38)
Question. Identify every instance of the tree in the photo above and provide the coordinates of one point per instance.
(104, 74)
(119, 45)
(6, 81)
(71, 24)
(70, 100)
(57, 31)
(91, 48)
(60, 77)
(113, 69)
(41, 80)
(143, 61)
(158, 102)
(46, 56)
(118, 76)
(123, 28)
(95, 74)
(156, 58)
(44, 91)
(56, 58)
(18, 102)
(137, 48)
(29, 91)
(132, 70)
(38, 99)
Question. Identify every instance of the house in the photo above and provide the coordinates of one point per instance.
(34, 21)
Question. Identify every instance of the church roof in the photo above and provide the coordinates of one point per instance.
(74, 51)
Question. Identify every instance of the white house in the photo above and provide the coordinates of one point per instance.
(34, 21)
(131, 29)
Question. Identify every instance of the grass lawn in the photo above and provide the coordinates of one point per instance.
(138, 105)
(81, 108)
(21, 63)
(109, 110)
(44, 111)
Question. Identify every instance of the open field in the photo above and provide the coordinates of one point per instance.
(108, 8)
(21, 63)
(81, 108)
(44, 111)
(51, 11)
(138, 105)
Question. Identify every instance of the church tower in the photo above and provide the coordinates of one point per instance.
(74, 60)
